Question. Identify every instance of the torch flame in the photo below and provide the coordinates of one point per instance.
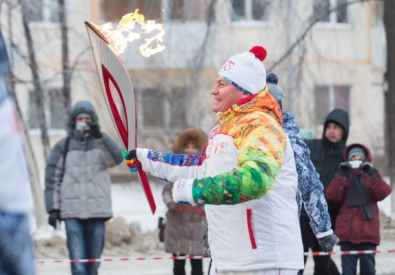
(125, 33)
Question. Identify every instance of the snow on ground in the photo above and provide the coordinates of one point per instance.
(130, 203)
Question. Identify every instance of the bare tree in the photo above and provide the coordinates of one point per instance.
(39, 95)
(66, 71)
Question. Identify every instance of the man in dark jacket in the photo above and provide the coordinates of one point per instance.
(326, 155)
(78, 186)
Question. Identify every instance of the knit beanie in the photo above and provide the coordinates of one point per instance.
(83, 115)
(246, 71)
(356, 151)
(274, 89)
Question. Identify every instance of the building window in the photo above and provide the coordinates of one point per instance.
(187, 10)
(113, 10)
(330, 11)
(250, 10)
(54, 110)
(153, 108)
(43, 11)
(326, 98)
(161, 109)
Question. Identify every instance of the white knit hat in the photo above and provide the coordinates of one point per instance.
(246, 71)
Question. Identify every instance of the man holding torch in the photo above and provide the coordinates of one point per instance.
(245, 175)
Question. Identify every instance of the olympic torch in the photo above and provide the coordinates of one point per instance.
(118, 93)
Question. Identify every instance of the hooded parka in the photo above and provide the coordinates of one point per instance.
(350, 224)
(85, 190)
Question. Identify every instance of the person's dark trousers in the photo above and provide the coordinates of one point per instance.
(209, 267)
(179, 266)
(333, 268)
(16, 247)
(321, 263)
(366, 261)
(85, 240)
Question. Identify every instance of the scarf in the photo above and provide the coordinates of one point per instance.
(360, 196)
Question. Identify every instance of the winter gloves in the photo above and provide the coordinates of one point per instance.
(328, 242)
(131, 155)
(365, 167)
(94, 130)
(54, 216)
(344, 168)
(368, 169)
(130, 159)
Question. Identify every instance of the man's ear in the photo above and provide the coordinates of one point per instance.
(244, 95)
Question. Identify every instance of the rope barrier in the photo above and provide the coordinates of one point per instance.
(355, 252)
(119, 259)
(123, 259)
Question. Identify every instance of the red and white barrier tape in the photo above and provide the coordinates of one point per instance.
(119, 259)
(356, 252)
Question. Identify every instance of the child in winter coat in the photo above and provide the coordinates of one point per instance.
(358, 187)
(185, 224)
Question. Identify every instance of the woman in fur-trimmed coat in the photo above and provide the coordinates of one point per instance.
(185, 225)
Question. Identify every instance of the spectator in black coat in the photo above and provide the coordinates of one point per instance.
(326, 154)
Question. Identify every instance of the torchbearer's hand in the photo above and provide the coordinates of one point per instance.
(328, 242)
(182, 191)
(131, 155)
(130, 160)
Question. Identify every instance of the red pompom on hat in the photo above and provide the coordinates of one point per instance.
(259, 51)
(246, 70)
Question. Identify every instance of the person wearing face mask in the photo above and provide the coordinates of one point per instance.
(78, 187)
(357, 187)
(185, 224)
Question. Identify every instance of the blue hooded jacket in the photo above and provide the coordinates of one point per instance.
(311, 190)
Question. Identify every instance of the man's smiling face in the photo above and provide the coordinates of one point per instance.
(225, 95)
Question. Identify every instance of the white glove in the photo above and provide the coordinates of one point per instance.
(182, 191)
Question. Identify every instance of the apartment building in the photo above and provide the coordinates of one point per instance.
(337, 60)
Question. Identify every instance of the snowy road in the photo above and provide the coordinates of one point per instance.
(129, 202)
(153, 267)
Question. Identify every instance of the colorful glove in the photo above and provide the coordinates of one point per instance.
(328, 242)
(181, 189)
(94, 130)
(130, 160)
(131, 155)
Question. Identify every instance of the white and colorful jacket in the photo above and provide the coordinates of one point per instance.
(250, 205)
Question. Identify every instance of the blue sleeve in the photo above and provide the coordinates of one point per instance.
(172, 167)
(310, 187)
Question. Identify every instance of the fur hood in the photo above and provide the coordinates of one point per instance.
(197, 136)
